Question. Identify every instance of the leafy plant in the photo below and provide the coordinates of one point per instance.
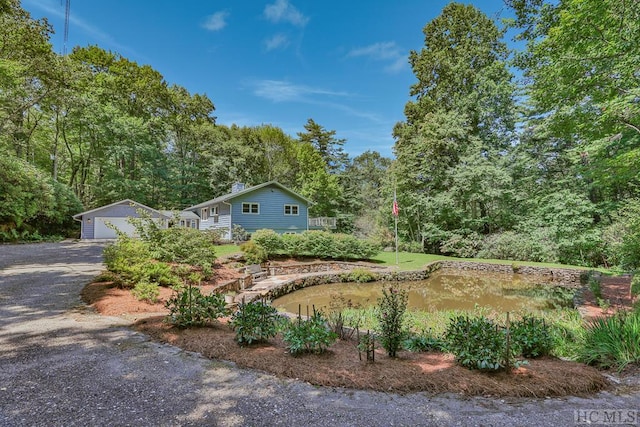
(532, 336)
(479, 343)
(309, 336)
(253, 253)
(188, 307)
(239, 234)
(146, 291)
(390, 315)
(367, 345)
(360, 275)
(612, 342)
(336, 318)
(423, 342)
(255, 321)
(320, 244)
(595, 288)
(635, 285)
(124, 257)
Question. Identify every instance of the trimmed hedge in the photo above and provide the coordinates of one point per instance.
(319, 244)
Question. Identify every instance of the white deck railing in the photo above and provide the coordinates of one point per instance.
(322, 222)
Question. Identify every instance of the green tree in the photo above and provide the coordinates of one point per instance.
(451, 170)
(330, 148)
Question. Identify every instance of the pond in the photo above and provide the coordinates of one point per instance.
(446, 289)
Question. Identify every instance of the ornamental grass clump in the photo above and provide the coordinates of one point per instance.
(390, 315)
(612, 342)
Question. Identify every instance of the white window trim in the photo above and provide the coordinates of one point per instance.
(291, 209)
(250, 204)
(213, 211)
(204, 214)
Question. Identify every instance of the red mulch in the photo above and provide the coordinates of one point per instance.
(615, 290)
(341, 367)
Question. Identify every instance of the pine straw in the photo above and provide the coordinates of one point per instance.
(431, 372)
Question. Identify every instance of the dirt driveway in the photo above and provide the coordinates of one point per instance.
(62, 365)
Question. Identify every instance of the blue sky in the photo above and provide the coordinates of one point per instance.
(342, 63)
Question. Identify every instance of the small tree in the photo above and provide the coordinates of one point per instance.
(390, 314)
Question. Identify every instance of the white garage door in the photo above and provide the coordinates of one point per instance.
(102, 231)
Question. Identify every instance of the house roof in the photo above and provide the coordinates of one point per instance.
(181, 214)
(232, 196)
(127, 201)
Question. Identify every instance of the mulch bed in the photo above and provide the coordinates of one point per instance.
(429, 372)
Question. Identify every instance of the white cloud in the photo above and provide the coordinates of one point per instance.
(388, 52)
(217, 21)
(275, 42)
(283, 11)
(281, 91)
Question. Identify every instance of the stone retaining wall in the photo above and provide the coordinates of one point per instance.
(317, 267)
(322, 273)
(558, 276)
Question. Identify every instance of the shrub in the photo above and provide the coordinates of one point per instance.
(423, 342)
(253, 253)
(390, 316)
(255, 321)
(635, 285)
(337, 319)
(536, 246)
(127, 257)
(464, 246)
(146, 291)
(359, 275)
(479, 343)
(320, 244)
(119, 256)
(612, 342)
(188, 307)
(309, 336)
(187, 246)
(268, 240)
(532, 336)
(239, 234)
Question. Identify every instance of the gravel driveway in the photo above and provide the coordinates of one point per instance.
(63, 365)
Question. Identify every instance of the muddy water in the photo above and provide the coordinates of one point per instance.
(446, 289)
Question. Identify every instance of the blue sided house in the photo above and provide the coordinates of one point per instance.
(268, 205)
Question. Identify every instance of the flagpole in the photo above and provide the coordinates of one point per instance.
(395, 216)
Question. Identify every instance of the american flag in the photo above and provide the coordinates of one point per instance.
(395, 209)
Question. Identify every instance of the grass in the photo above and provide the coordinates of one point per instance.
(612, 342)
(567, 329)
(416, 261)
(230, 249)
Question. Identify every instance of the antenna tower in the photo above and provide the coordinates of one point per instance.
(67, 10)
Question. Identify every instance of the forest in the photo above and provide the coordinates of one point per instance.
(528, 153)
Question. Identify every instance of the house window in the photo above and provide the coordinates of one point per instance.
(204, 214)
(214, 210)
(216, 219)
(291, 209)
(250, 208)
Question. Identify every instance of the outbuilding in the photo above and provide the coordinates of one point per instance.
(102, 222)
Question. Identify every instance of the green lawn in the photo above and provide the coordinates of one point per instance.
(414, 261)
(224, 250)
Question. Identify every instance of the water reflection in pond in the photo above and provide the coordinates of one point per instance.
(446, 289)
